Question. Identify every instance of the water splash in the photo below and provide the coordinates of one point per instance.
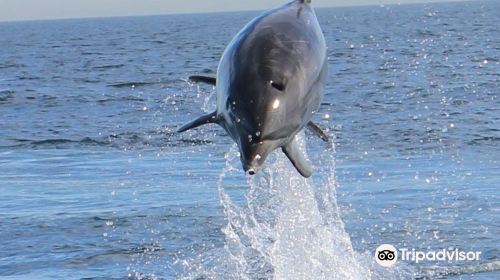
(285, 227)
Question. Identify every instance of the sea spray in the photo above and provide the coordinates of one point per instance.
(286, 227)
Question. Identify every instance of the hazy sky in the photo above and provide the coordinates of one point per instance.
(51, 9)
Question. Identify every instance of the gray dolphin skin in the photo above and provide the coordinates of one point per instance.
(269, 84)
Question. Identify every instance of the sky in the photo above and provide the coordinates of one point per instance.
(11, 10)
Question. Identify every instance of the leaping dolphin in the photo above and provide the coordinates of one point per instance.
(269, 84)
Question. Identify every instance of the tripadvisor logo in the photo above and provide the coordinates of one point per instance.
(386, 255)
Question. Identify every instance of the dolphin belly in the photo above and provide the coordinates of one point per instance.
(269, 84)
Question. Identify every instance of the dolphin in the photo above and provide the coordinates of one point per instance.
(269, 84)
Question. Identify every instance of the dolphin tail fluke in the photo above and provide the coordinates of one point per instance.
(203, 79)
(206, 119)
(297, 158)
(318, 131)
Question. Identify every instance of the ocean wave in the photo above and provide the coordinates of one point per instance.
(136, 84)
(126, 140)
(117, 254)
(111, 66)
(6, 95)
(132, 84)
(12, 65)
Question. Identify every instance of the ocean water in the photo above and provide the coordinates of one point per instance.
(96, 184)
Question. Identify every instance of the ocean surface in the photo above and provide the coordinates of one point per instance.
(96, 184)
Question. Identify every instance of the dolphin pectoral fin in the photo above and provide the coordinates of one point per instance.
(203, 79)
(318, 131)
(298, 160)
(210, 118)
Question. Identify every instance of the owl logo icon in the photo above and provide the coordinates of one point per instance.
(386, 255)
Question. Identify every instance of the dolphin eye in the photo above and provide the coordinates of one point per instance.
(277, 86)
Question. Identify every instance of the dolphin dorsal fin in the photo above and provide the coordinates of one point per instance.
(297, 158)
(206, 119)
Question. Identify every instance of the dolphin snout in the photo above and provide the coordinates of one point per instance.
(253, 156)
(250, 168)
(252, 165)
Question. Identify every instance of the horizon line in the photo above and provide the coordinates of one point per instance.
(233, 11)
